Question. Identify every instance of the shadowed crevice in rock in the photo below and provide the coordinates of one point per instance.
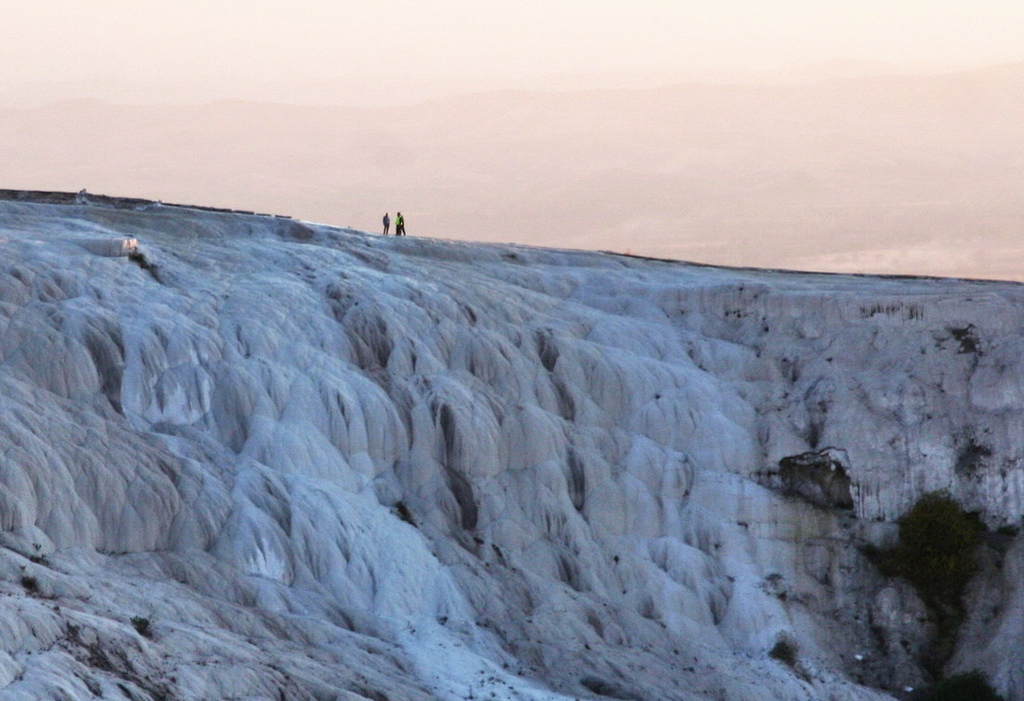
(818, 477)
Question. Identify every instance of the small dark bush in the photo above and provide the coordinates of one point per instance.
(142, 626)
(967, 340)
(30, 583)
(969, 686)
(784, 651)
(139, 258)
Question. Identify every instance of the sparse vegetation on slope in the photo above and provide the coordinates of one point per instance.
(936, 550)
(937, 554)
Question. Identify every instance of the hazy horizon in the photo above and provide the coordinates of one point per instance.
(866, 138)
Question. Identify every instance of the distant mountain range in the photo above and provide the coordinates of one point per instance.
(908, 174)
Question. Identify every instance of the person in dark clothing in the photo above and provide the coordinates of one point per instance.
(399, 225)
(387, 223)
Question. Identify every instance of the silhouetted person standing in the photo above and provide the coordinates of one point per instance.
(399, 225)
(387, 223)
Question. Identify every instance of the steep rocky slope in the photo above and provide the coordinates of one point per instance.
(265, 459)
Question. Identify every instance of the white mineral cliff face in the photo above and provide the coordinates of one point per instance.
(323, 464)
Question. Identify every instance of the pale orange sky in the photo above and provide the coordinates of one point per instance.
(912, 173)
(379, 50)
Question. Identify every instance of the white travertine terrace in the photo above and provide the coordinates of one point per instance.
(325, 464)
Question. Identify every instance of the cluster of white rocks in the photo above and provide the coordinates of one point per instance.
(263, 459)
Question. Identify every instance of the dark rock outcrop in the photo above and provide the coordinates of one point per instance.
(819, 477)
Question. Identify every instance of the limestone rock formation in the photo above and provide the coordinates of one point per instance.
(264, 459)
(819, 476)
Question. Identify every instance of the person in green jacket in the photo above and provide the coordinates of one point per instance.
(399, 225)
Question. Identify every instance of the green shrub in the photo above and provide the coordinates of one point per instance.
(142, 626)
(937, 549)
(937, 554)
(969, 686)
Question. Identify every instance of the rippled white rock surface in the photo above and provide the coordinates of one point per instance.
(262, 459)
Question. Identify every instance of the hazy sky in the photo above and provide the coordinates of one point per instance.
(229, 44)
(903, 174)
